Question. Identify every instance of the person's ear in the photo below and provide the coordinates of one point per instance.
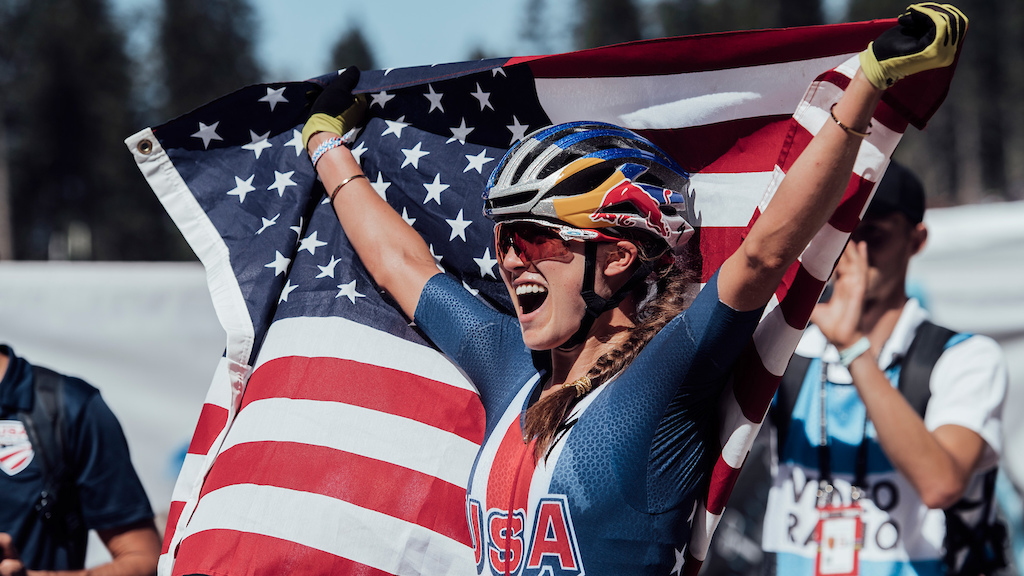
(918, 237)
(620, 258)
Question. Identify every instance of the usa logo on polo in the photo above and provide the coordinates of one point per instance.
(15, 449)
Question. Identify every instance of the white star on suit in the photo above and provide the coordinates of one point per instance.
(288, 288)
(349, 290)
(259, 143)
(328, 271)
(435, 99)
(518, 130)
(207, 133)
(486, 264)
(412, 156)
(274, 97)
(310, 243)
(483, 97)
(381, 98)
(459, 226)
(282, 181)
(459, 133)
(395, 127)
(280, 264)
(242, 187)
(434, 190)
(477, 162)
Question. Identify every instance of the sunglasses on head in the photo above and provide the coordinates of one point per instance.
(536, 240)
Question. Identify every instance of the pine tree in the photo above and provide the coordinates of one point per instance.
(206, 51)
(75, 192)
(352, 50)
(604, 22)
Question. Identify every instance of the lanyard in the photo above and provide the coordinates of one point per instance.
(825, 486)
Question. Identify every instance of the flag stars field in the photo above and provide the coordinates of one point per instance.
(459, 133)
(434, 190)
(243, 187)
(349, 291)
(459, 226)
(274, 97)
(282, 180)
(413, 155)
(483, 97)
(207, 133)
(486, 264)
(380, 99)
(259, 143)
(280, 263)
(477, 162)
(435, 99)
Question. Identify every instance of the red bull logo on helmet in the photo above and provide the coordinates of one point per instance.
(650, 216)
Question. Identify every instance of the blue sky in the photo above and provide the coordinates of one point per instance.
(294, 37)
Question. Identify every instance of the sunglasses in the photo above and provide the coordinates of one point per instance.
(536, 240)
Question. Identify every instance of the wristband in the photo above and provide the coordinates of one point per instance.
(322, 149)
(847, 356)
(343, 182)
(846, 128)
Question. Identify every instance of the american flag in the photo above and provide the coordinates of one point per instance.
(334, 439)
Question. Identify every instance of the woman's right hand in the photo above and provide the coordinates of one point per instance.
(927, 37)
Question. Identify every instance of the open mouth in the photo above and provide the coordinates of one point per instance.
(530, 297)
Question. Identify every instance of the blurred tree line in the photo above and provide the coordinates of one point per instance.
(72, 87)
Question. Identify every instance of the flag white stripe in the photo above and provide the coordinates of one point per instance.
(724, 200)
(775, 341)
(674, 100)
(379, 435)
(333, 526)
(347, 340)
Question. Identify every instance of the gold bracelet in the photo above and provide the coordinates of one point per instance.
(848, 130)
(343, 182)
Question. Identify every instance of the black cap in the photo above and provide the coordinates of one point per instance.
(899, 191)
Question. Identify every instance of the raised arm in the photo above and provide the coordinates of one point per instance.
(927, 37)
(391, 250)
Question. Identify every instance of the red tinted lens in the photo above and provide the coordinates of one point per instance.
(531, 242)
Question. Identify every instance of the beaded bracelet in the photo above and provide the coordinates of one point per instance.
(322, 149)
(848, 130)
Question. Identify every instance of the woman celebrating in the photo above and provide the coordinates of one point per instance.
(601, 394)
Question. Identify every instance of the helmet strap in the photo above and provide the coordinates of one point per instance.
(596, 305)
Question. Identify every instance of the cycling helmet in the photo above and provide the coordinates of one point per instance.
(592, 175)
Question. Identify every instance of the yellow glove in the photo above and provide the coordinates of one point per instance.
(926, 37)
(336, 109)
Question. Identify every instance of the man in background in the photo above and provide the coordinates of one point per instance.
(65, 469)
(888, 426)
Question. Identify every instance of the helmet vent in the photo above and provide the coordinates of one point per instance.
(583, 181)
(511, 200)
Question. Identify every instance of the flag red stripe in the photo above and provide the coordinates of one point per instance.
(212, 420)
(708, 51)
(801, 296)
(723, 478)
(847, 215)
(732, 147)
(212, 551)
(366, 482)
(753, 386)
(716, 244)
(373, 387)
(173, 513)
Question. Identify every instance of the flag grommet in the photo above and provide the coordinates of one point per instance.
(145, 146)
